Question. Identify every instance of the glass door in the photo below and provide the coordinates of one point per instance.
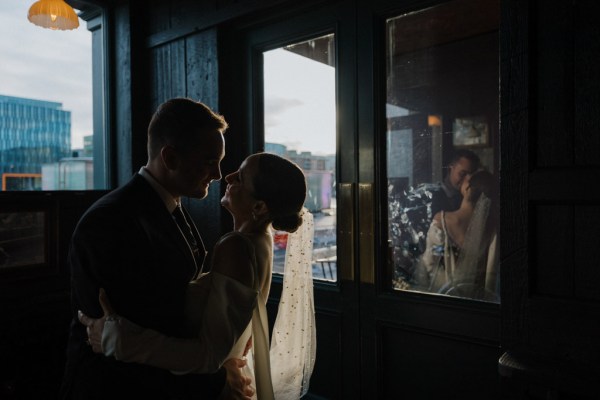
(429, 296)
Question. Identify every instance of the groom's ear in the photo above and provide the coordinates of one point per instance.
(260, 208)
(169, 157)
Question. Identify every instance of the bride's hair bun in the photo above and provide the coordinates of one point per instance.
(281, 184)
(288, 223)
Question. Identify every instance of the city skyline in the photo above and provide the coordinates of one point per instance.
(42, 64)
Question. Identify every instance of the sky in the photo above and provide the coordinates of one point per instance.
(299, 102)
(42, 64)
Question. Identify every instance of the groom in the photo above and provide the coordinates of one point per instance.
(130, 244)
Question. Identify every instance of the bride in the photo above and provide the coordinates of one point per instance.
(461, 255)
(266, 191)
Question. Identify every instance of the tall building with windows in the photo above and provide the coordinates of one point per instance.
(319, 171)
(32, 133)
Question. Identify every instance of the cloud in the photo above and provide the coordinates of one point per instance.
(275, 107)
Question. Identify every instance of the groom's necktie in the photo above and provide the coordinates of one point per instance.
(186, 229)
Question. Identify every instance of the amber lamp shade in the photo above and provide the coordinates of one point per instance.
(53, 14)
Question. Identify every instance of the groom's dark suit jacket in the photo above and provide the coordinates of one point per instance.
(129, 244)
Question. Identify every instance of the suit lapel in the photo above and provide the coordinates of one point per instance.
(160, 220)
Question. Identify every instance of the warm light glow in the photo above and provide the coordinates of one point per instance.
(434, 120)
(53, 14)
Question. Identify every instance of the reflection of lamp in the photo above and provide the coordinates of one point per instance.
(434, 120)
(53, 14)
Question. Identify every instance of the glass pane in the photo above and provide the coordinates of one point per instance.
(442, 141)
(300, 124)
(45, 104)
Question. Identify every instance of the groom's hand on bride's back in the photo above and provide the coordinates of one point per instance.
(95, 326)
(237, 385)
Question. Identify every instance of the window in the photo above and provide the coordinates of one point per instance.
(300, 124)
(442, 159)
(47, 105)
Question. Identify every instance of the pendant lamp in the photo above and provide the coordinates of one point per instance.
(53, 14)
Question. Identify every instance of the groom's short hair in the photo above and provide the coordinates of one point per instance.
(182, 123)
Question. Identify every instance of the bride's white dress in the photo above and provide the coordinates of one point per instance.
(469, 271)
(222, 314)
(201, 315)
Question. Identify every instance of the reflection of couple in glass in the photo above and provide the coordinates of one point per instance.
(461, 255)
(173, 338)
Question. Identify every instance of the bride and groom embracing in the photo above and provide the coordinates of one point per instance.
(163, 329)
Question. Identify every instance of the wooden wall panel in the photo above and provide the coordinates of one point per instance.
(184, 11)
(554, 83)
(123, 145)
(326, 380)
(551, 313)
(587, 83)
(156, 15)
(167, 72)
(552, 256)
(586, 260)
(201, 66)
(418, 365)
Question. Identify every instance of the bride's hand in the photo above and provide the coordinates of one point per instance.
(237, 386)
(95, 326)
(248, 346)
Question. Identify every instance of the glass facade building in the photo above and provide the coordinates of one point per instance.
(32, 133)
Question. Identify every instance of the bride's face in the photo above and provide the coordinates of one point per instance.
(239, 196)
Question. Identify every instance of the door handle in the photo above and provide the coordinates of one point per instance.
(366, 234)
(345, 217)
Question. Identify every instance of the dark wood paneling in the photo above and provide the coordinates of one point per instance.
(586, 261)
(184, 11)
(552, 274)
(515, 312)
(121, 74)
(568, 265)
(549, 158)
(425, 365)
(565, 331)
(157, 16)
(167, 72)
(514, 28)
(554, 83)
(587, 82)
(201, 65)
(514, 96)
(326, 381)
(564, 184)
(513, 183)
(200, 18)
